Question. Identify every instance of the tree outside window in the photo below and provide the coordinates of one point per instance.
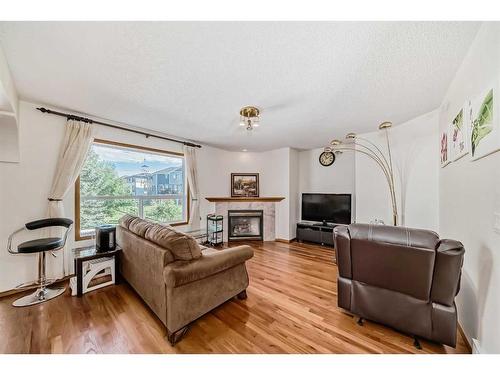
(119, 180)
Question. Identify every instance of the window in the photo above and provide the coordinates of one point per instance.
(119, 179)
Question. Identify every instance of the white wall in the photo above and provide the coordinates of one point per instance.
(215, 167)
(337, 178)
(294, 193)
(415, 155)
(9, 142)
(314, 178)
(284, 172)
(470, 197)
(24, 189)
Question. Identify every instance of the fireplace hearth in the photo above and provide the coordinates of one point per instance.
(245, 225)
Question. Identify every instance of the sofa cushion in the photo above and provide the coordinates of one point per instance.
(126, 219)
(181, 245)
(140, 226)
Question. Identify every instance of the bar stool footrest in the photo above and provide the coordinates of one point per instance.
(34, 284)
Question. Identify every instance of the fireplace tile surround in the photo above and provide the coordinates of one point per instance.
(268, 209)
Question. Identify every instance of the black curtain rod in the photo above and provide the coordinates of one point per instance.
(90, 121)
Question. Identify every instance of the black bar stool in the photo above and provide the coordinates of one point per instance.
(40, 246)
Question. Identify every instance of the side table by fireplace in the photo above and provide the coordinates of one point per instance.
(215, 229)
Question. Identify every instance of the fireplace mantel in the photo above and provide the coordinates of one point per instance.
(245, 199)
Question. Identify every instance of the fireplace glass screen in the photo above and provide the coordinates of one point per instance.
(245, 224)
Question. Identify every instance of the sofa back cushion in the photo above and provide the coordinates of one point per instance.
(126, 219)
(181, 245)
(140, 226)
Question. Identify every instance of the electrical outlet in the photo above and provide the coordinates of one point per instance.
(496, 224)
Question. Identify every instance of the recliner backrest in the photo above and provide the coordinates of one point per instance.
(403, 236)
(395, 258)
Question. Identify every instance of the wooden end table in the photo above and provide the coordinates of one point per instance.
(82, 254)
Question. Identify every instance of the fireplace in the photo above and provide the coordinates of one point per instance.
(245, 225)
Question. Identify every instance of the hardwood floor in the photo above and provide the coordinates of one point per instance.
(291, 308)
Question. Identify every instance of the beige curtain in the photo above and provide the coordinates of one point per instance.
(75, 146)
(192, 178)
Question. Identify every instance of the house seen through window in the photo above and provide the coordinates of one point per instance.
(116, 180)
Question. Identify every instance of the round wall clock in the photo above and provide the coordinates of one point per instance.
(326, 158)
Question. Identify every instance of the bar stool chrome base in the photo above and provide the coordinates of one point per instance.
(40, 295)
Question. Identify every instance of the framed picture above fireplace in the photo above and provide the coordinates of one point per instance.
(244, 184)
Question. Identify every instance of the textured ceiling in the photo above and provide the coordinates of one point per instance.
(314, 81)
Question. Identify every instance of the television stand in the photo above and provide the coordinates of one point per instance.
(323, 224)
(316, 233)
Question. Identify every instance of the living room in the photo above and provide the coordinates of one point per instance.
(240, 187)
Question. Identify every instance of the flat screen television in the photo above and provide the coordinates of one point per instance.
(327, 208)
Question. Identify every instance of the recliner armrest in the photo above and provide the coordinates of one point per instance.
(342, 243)
(447, 271)
(184, 272)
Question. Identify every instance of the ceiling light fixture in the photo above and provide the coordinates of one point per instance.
(244, 150)
(249, 117)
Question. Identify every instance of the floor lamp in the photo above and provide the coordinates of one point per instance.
(356, 143)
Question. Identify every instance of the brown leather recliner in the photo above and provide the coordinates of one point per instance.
(401, 277)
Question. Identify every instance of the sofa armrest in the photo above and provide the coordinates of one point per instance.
(342, 243)
(184, 272)
(447, 271)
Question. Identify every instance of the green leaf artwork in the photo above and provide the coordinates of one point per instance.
(482, 125)
(457, 136)
(458, 120)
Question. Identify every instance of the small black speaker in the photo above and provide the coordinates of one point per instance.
(105, 238)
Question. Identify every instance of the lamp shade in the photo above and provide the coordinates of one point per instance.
(350, 136)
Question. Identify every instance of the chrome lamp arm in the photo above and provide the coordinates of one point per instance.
(370, 149)
(379, 152)
(388, 176)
